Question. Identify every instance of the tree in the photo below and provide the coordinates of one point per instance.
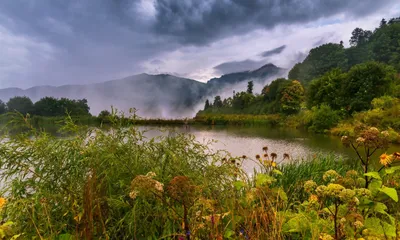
(292, 97)
(250, 86)
(217, 102)
(326, 90)
(359, 36)
(23, 105)
(365, 82)
(48, 106)
(104, 114)
(3, 107)
(320, 60)
(207, 105)
(383, 23)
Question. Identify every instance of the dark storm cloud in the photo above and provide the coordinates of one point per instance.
(78, 41)
(87, 41)
(201, 22)
(273, 51)
(238, 66)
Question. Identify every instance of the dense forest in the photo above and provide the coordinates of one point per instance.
(47, 106)
(333, 83)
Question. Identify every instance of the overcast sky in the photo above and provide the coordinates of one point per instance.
(58, 42)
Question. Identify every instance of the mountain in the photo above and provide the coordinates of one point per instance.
(162, 95)
(153, 95)
(259, 75)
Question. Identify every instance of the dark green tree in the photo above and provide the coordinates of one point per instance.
(250, 86)
(359, 36)
(327, 90)
(104, 114)
(365, 82)
(23, 105)
(207, 105)
(217, 102)
(320, 60)
(3, 107)
(48, 106)
(383, 23)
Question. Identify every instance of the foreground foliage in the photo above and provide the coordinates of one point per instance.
(117, 184)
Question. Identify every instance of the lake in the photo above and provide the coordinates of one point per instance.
(249, 141)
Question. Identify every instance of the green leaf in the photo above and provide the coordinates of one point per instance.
(276, 171)
(263, 179)
(391, 192)
(228, 234)
(374, 186)
(239, 185)
(380, 208)
(392, 170)
(65, 236)
(374, 175)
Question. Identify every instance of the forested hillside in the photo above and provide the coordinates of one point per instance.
(333, 83)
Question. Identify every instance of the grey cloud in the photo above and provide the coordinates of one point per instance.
(201, 22)
(238, 66)
(274, 51)
(66, 42)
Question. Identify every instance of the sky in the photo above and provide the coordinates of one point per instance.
(59, 42)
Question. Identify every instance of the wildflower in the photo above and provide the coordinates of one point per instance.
(273, 164)
(265, 149)
(343, 220)
(133, 194)
(356, 201)
(3, 202)
(258, 156)
(159, 186)
(266, 155)
(346, 140)
(374, 130)
(310, 186)
(360, 140)
(321, 190)
(358, 224)
(352, 173)
(325, 236)
(151, 174)
(286, 156)
(233, 161)
(313, 198)
(347, 195)
(385, 159)
(396, 155)
(385, 133)
(363, 192)
(330, 176)
(274, 156)
(333, 190)
(244, 156)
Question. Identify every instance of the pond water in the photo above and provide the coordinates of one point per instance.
(249, 141)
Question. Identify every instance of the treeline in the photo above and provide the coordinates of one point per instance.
(331, 84)
(47, 106)
(380, 45)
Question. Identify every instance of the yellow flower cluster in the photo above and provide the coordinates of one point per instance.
(3, 202)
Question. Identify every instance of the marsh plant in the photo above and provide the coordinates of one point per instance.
(117, 184)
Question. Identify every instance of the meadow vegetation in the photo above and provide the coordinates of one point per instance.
(117, 184)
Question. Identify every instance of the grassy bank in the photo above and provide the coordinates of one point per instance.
(119, 185)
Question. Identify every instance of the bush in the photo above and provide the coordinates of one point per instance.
(324, 118)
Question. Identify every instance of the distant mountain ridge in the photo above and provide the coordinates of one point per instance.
(160, 95)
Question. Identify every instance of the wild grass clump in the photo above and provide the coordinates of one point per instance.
(117, 184)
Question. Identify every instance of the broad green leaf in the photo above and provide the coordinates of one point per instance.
(239, 185)
(373, 175)
(380, 208)
(228, 234)
(263, 179)
(392, 170)
(391, 192)
(374, 186)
